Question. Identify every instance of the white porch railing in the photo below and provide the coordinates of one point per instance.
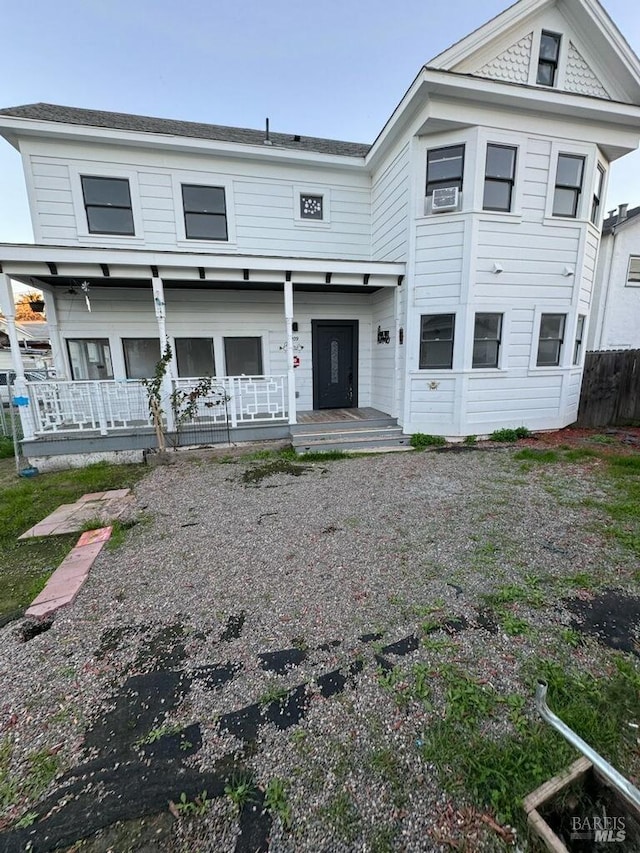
(111, 405)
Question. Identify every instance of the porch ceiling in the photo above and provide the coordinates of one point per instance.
(62, 284)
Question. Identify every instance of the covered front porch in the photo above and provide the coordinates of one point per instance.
(271, 341)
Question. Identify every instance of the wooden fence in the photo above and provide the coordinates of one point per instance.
(610, 393)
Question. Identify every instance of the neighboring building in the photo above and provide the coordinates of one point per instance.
(615, 315)
(442, 275)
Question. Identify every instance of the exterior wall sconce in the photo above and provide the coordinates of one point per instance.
(567, 271)
(383, 336)
(497, 268)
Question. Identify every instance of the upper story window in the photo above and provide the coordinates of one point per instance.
(550, 340)
(445, 167)
(107, 202)
(548, 59)
(436, 341)
(569, 177)
(311, 206)
(597, 195)
(205, 212)
(633, 275)
(499, 177)
(486, 340)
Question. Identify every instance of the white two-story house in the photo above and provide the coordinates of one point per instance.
(441, 276)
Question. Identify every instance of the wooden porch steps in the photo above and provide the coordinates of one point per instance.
(364, 435)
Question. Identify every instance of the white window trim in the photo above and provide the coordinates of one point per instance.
(455, 350)
(507, 140)
(92, 169)
(562, 57)
(203, 179)
(325, 192)
(504, 337)
(627, 282)
(583, 213)
(566, 352)
(599, 162)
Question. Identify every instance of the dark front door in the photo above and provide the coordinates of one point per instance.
(335, 364)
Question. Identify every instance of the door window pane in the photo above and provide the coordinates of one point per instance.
(90, 359)
(243, 356)
(141, 356)
(195, 357)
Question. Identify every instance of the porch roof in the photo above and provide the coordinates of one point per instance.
(60, 265)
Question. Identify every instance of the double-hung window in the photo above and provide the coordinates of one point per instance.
(548, 59)
(633, 274)
(243, 356)
(486, 340)
(597, 195)
(107, 202)
(550, 339)
(499, 176)
(568, 188)
(445, 167)
(436, 341)
(205, 212)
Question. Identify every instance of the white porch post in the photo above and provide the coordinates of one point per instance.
(161, 317)
(291, 373)
(57, 350)
(9, 310)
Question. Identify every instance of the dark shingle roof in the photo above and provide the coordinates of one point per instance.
(610, 221)
(172, 127)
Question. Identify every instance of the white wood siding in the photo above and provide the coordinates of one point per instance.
(438, 260)
(118, 313)
(263, 202)
(383, 355)
(390, 208)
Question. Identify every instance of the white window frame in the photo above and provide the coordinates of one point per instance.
(599, 164)
(429, 312)
(203, 179)
(300, 190)
(549, 27)
(466, 200)
(583, 212)
(583, 340)
(566, 352)
(506, 140)
(92, 169)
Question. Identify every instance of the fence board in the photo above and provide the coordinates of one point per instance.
(610, 394)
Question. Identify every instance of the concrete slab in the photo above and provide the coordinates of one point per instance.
(71, 518)
(90, 537)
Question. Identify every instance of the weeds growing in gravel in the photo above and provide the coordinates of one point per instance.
(273, 693)
(342, 815)
(420, 440)
(241, 789)
(510, 434)
(198, 806)
(276, 800)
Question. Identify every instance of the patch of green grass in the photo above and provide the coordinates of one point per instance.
(273, 693)
(342, 815)
(579, 454)
(537, 455)
(509, 434)
(603, 439)
(8, 788)
(498, 773)
(470, 439)
(420, 440)
(257, 473)
(324, 455)
(26, 565)
(527, 593)
(276, 800)
(571, 637)
(514, 626)
(240, 788)
(6, 446)
(198, 806)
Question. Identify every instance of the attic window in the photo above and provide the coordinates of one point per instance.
(310, 206)
(548, 59)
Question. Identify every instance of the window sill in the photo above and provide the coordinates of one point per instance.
(183, 243)
(565, 221)
(109, 239)
(322, 224)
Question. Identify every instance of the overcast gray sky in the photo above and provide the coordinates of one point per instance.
(334, 68)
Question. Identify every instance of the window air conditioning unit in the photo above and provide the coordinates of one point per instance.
(445, 198)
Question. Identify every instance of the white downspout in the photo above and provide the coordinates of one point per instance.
(291, 373)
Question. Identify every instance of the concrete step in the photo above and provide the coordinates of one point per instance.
(343, 426)
(369, 444)
(346, 435)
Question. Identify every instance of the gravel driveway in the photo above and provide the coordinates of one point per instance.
(241, 631)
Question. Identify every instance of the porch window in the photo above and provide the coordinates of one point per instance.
(550, 339)
(486, 340)
(141, 356)
(499, 176)
(243, 356)
(569, 175)
(205, 212)
(436, 341)
(107, 202)
(195, 357)
(90, 358)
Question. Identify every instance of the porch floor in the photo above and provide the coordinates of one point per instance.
(318, 416)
